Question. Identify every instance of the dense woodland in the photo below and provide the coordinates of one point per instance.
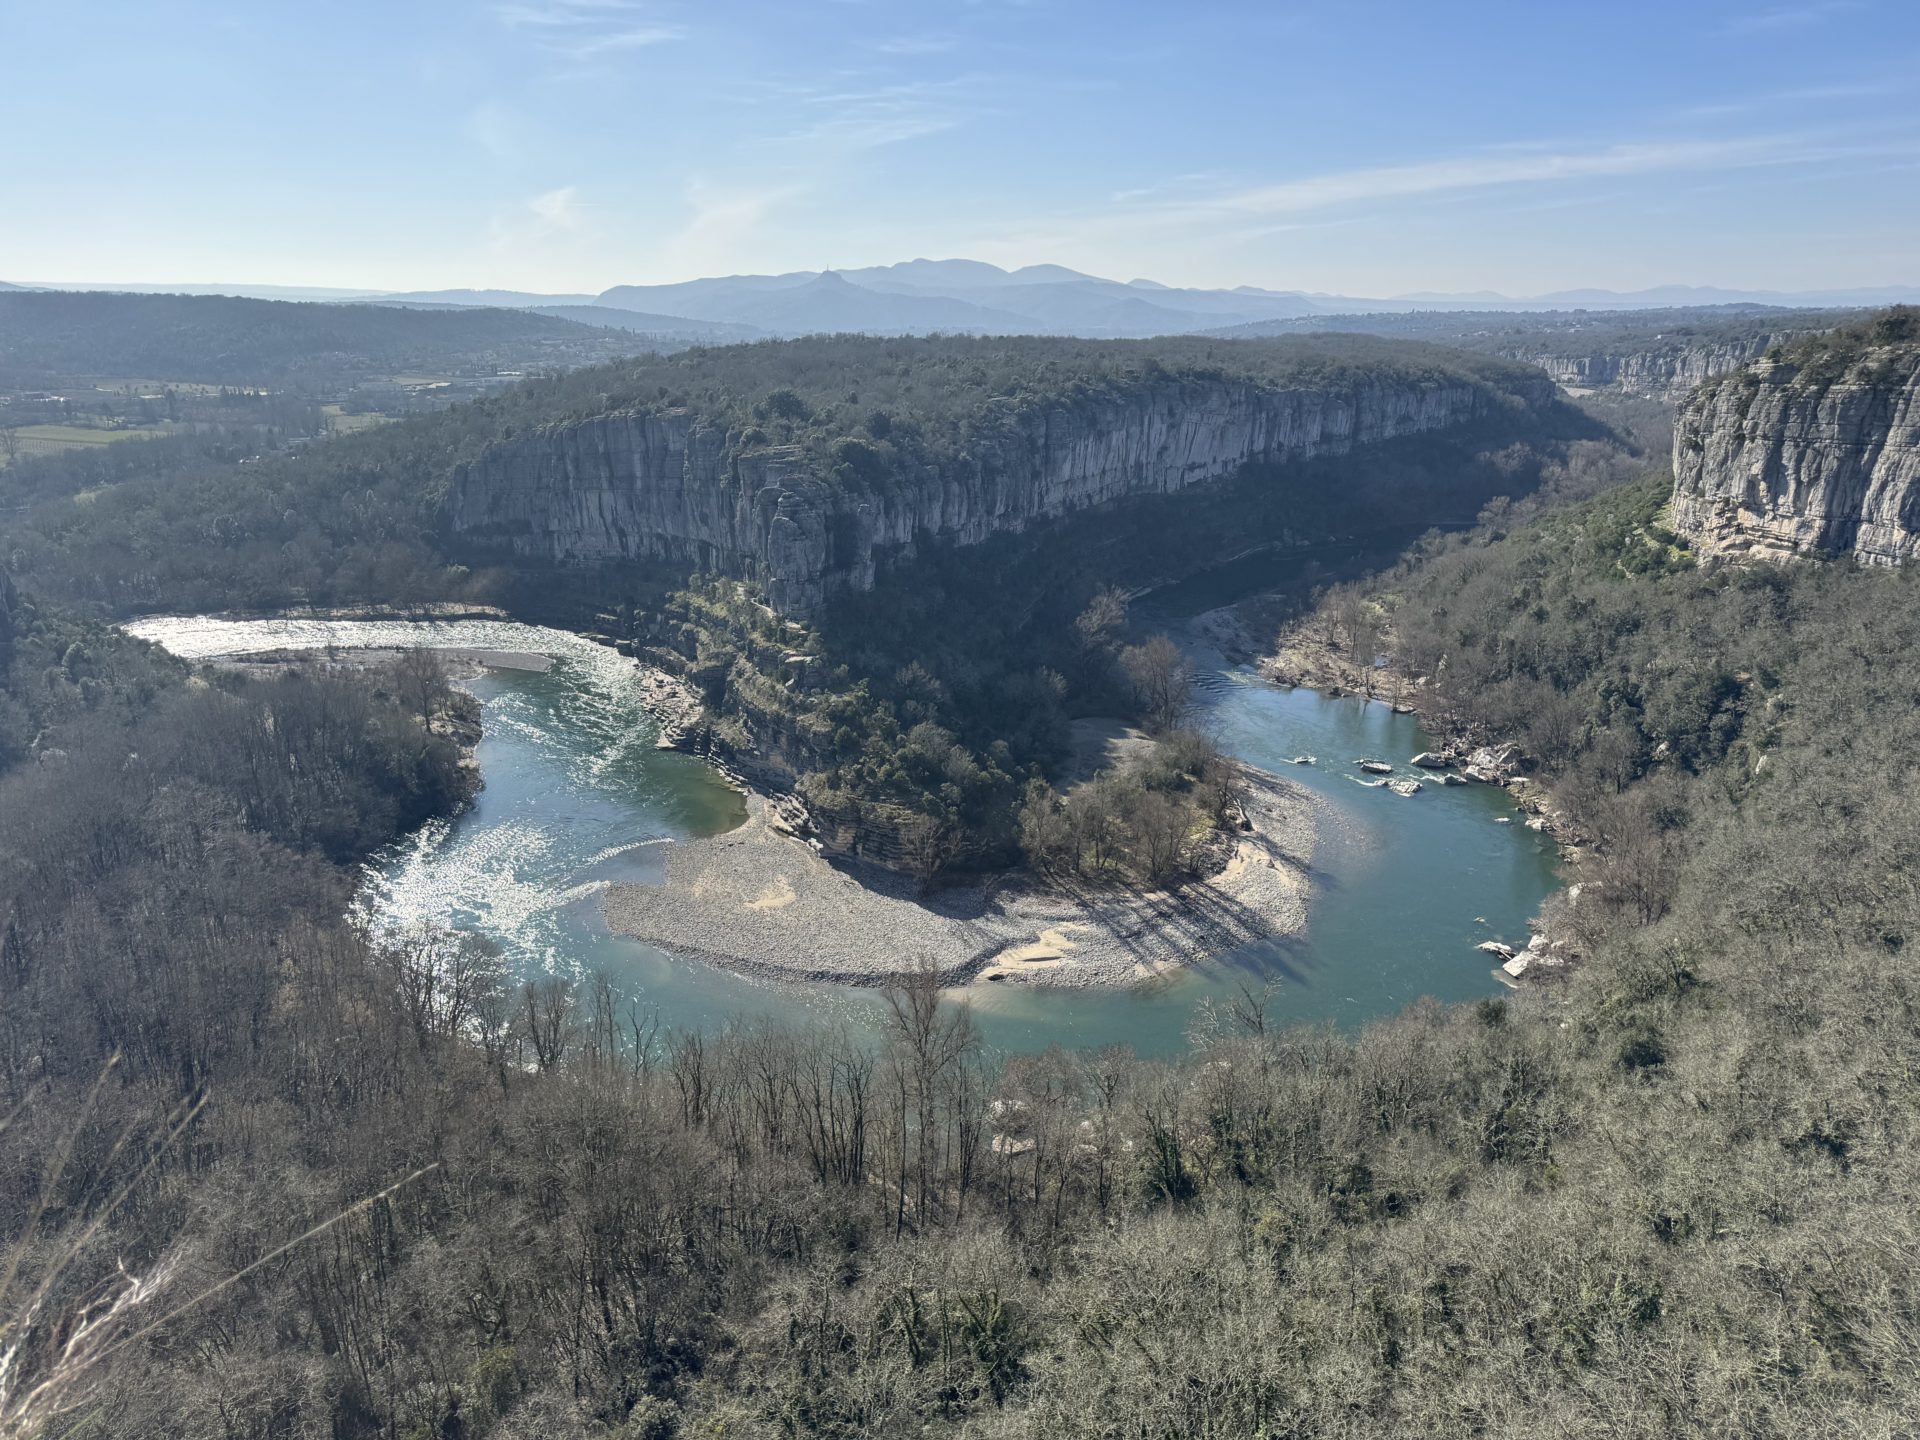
(1820, 358)
(49, 336)
(1668, 1196)
(935, 700)
(945, 652)
(1517, 332)
(361, 518)
(369, 1188)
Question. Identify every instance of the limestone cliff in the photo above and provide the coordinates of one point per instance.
(1813, 451)
(1658, 371)
(668, 485)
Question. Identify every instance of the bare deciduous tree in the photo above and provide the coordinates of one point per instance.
(1161, 679)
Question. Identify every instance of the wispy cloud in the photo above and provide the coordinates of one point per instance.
(495, 129)
(638, 38)
(588, 29)
(1787, 17)
(1195, 182)
(1173, 221)
(917, 45)
(723, 223)
(850, 118)
(1488, 169)
(539, 221)
(557, 209)
(564, 14)
(1773, 101)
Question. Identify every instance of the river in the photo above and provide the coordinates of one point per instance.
(576, 797)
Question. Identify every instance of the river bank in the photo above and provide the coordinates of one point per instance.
(462, 663)
(757, 901)
(1305, 653)
(579, 797)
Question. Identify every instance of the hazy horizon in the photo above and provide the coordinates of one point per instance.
(566, 146)
(1668, 294)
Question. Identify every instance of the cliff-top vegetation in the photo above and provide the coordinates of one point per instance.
(1823, 358)
(361, 517)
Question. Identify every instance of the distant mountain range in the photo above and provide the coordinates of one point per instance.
(673, 327)
(473, 299)
(964, 296)
(973, 297)
(249, 292)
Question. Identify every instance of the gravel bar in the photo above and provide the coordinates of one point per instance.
(758, 901)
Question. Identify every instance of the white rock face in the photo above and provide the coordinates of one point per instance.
(1776, 461)
(669, 487)
(1659, 371)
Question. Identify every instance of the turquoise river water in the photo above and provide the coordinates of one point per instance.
(577, 797)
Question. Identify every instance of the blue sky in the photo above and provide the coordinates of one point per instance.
(1366, 147)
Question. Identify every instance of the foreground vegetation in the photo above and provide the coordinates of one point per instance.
(1671, 1196)
(368, 1186)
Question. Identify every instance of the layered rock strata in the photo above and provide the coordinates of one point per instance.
(1792, 458)
(672, 487)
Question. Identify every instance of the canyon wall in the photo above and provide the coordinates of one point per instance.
(1657, 371)
(672, 487)
(1815, 452)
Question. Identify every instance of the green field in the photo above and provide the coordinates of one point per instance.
(50, 439)
(341, 423)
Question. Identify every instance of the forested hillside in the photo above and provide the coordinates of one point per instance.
(1507, 332)
(1668, 1196)
(1654, 354)
(867, 451)
(362, 518)
(49, 336)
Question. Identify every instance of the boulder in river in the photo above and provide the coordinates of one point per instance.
(1405, 787)
(1430, 760)
(1375, 767)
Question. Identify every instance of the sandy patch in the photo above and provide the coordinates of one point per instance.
(776, 896)
(758, 901)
